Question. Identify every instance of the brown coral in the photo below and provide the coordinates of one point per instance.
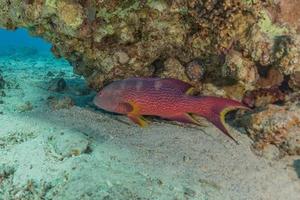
(277, 125)
(274, 78)
(107, 40)
(195, 70)
(294, 81)
(286, 12)
(240, 69)
(262, 97)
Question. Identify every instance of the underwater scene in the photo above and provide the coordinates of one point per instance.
(149, 100)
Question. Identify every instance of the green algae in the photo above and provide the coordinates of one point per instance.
(159, 5)
(270, 28)
(51, 3)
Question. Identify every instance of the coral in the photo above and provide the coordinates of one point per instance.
(274, 78)
(174, 69)
(263, 97)
(108, 40)
(195, 70)
(294, 81)
(240, 69)
(286, 12)
(70, 13)
(277, 125)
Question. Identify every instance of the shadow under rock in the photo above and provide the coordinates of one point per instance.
(297, 167)
(75, 88)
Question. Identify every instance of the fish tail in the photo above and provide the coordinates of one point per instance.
(214, 110)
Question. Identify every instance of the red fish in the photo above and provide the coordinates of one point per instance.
(167, 98)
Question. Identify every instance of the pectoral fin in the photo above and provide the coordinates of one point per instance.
(139, 120)
(134, 114)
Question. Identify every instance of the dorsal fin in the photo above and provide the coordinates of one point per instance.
(181, 86)
(175, 84)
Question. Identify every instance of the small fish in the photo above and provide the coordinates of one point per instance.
(167, 98)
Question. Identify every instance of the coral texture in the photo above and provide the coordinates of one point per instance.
(236, 42)
(279, 126)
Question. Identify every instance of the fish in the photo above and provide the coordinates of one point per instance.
(167, 98)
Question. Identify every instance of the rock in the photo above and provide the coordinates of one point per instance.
(71, 14)
(241, 69)
(292, 144)
(25, 107)
(69, 144)
(174, 69)
(195, 70)
(263, 97)
(286, 12)
(294, 81)
(122, 57)
(277, 125)
(274, 78)
(57, 85)
(60, 103)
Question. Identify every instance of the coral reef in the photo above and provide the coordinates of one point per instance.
(277, 125)
(105, 40)
(295, 81)
(263, 97)
(286, 12)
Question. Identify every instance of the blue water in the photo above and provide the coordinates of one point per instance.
(10, 41)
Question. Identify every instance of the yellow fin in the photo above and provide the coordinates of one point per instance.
(226, 110)
(139, 120)
(224, 124)
(135, 116)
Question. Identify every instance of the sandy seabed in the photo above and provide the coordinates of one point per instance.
(79, 152)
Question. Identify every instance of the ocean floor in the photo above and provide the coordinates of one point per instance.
(54, 144)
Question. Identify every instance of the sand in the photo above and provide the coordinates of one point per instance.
(84, 153)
